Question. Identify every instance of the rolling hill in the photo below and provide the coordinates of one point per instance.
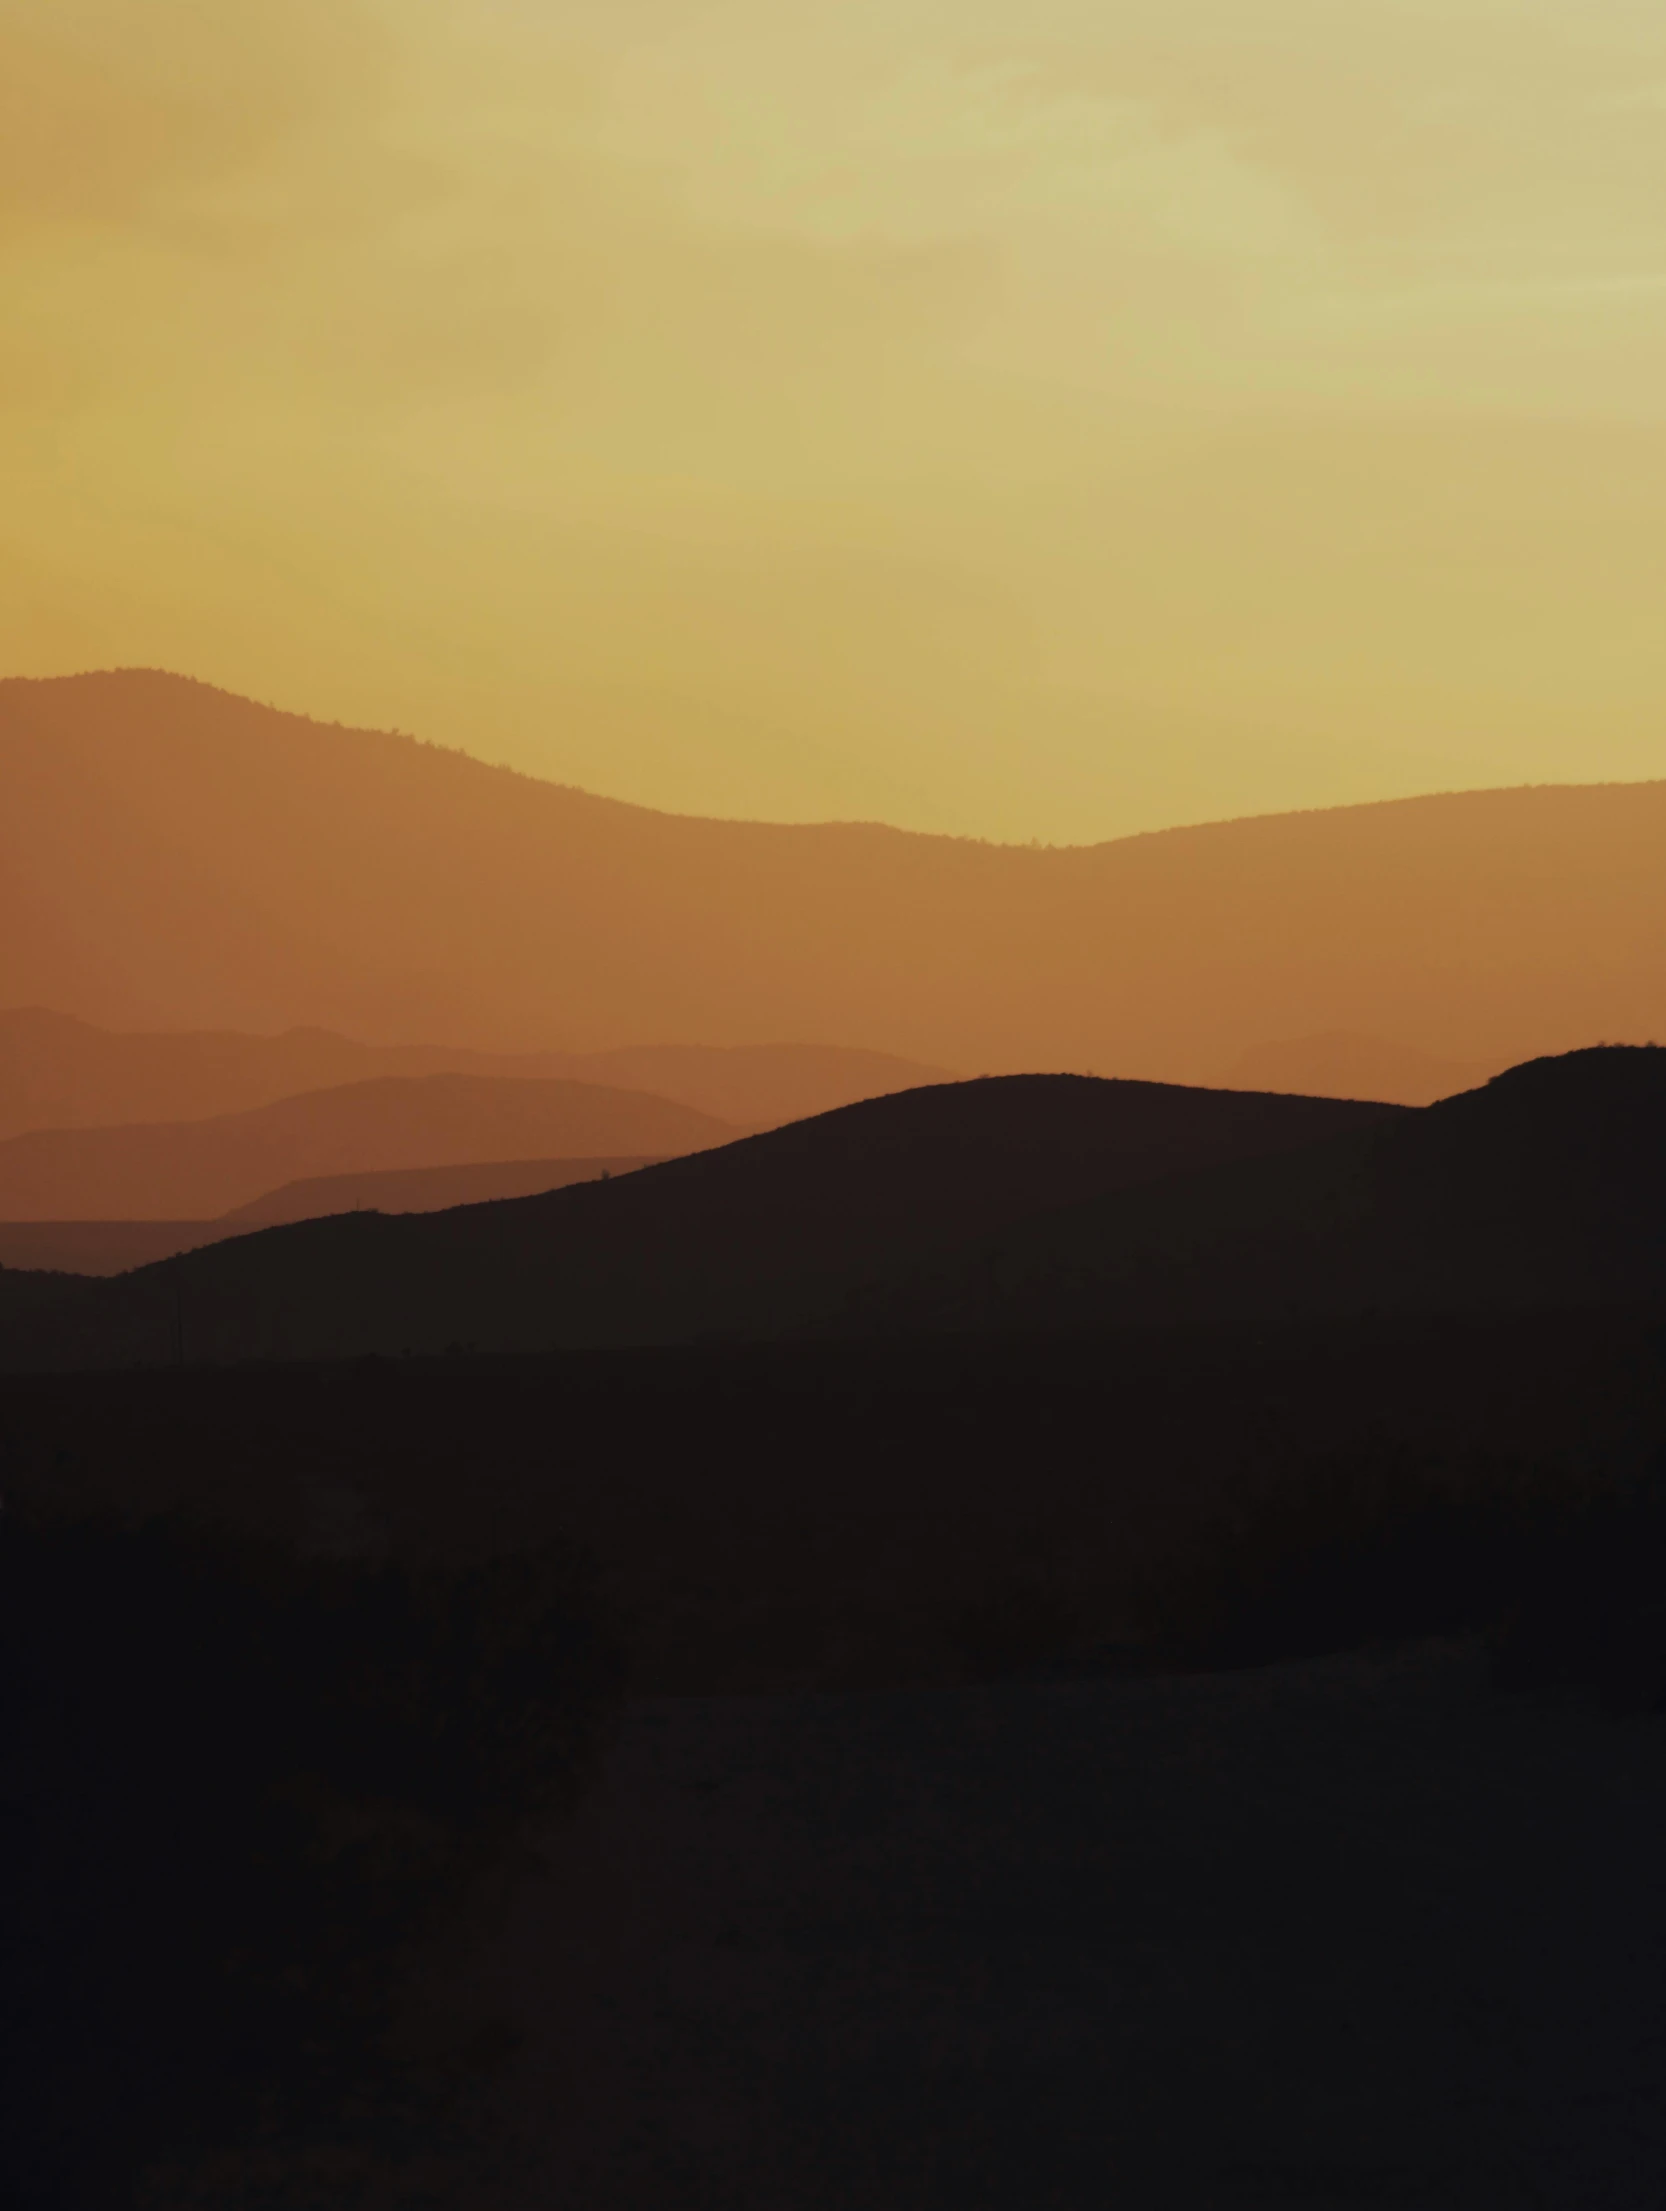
(194, 1170)
(756, 1238)
(58, 1072)
(172, 857)
(1545, 1188)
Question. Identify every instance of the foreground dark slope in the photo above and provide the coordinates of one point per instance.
(755, 1238)
(193, 1170)
(174, 857)
(777, 1514)
(1544, 1188)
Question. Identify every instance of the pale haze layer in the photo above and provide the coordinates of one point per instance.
(1014, 417)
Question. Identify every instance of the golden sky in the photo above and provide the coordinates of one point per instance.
(1026, 418)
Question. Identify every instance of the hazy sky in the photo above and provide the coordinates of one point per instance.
(1031, 418)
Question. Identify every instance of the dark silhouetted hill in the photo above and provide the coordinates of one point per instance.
(1545, 1188)
(173, 857)
(58, 1072)
(756, 1238)
(1354, 1067)
(192, 1170)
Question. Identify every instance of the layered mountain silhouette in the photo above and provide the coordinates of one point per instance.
(1013, 1206)
(192, 1170)
(172, 857)
(756, 1238)
(59, 1072)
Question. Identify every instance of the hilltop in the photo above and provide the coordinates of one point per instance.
(754, 1238)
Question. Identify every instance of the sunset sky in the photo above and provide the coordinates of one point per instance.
(1023, 418)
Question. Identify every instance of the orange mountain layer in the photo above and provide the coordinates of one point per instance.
(173, 856)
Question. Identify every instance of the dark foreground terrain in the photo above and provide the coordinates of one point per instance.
(1355, 1932)
(830, 1515)
(993, 1813)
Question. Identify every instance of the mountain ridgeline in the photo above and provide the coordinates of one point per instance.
(175, 858)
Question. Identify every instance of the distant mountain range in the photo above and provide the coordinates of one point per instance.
(175, 858)
(59, 1072)
(196, 1170)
